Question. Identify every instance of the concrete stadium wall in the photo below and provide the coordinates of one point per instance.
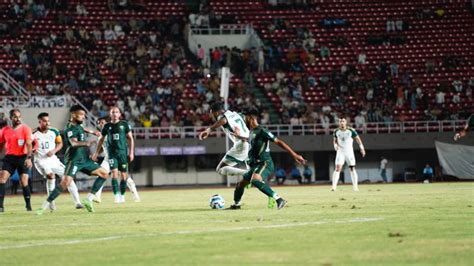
(402, 150)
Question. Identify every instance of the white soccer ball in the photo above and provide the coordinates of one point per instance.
(217, 202)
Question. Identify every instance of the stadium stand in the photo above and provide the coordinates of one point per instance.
(385, 62)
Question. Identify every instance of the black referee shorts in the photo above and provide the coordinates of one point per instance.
(11, 163)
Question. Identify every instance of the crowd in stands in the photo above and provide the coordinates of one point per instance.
(158, 93)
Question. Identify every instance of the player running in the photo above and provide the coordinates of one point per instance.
(120, 146)
(18, 144)
(238, 154)
(48, 142)
(343, 139)
(77, 159)
(463, 132)
(260, 161)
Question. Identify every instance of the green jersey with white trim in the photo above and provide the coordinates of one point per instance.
(116, 137)
(75, 154)
(260, 145)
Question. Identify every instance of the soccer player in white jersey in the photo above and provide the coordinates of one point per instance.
(48, 142)
(343, 140)
(229, 121)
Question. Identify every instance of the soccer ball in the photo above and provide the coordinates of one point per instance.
(217, 202)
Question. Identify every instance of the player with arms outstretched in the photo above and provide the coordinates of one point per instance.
(17, 141)
(238, 154)
(120, 147)
(77, 159)
(260, 161)
(47, 142)
(343, 144)
(469, 125)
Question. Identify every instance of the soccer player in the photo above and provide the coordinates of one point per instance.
(238, 154)
(102, 158)
(463, 132)
(48, 142)
(77, 159)
(343, 139)
(18, 144)
(120, 150)
(260, 161)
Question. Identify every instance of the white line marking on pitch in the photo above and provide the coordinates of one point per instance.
(233, 229)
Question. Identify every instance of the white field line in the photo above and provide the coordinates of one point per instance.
(190, 232)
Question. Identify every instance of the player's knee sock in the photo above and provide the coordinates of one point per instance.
(231, 171)
(131, 185)
(72, 188)
(50, 185)
(115, 186)
(335, 179)
(265, 189)
(123, 186)
(54, 194)
(98, 183)
(238, 193)
(98, 194)
(355, 179)
(27, 195)
(2, 194)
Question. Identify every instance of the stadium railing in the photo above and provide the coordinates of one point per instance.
(308, 129)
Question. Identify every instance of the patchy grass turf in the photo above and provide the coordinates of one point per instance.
(382, 224)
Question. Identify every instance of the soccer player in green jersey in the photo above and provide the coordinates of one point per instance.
(260, 161)
(120, 148)
(463, 132)
(77, 159)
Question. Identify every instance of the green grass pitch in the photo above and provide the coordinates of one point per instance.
(399, 224)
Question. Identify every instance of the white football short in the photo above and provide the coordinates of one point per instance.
(345, 156)
(46, 166)
(237, 154)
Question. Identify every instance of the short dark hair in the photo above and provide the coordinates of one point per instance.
(217, 106)
(103, 118)
(76, 108)
(12, 111)
(43, 114)
(252, 112)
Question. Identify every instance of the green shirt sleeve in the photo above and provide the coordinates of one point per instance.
(127, 126)
(334, 133)
(267, 135)
(56, 132)
(104, 130)
(354, 133)
(71, 133)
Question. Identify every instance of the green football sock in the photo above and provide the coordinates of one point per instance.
(264, 188)
(123, 187)
(115, 186)
(54, 194)
(98, 183)
(238, 193)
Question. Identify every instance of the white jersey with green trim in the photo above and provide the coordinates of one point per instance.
(235, 120)
(45, 141)
(345, 137)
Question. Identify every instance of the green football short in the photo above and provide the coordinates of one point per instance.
(118, 161)
(264, 169)
(87, 167)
